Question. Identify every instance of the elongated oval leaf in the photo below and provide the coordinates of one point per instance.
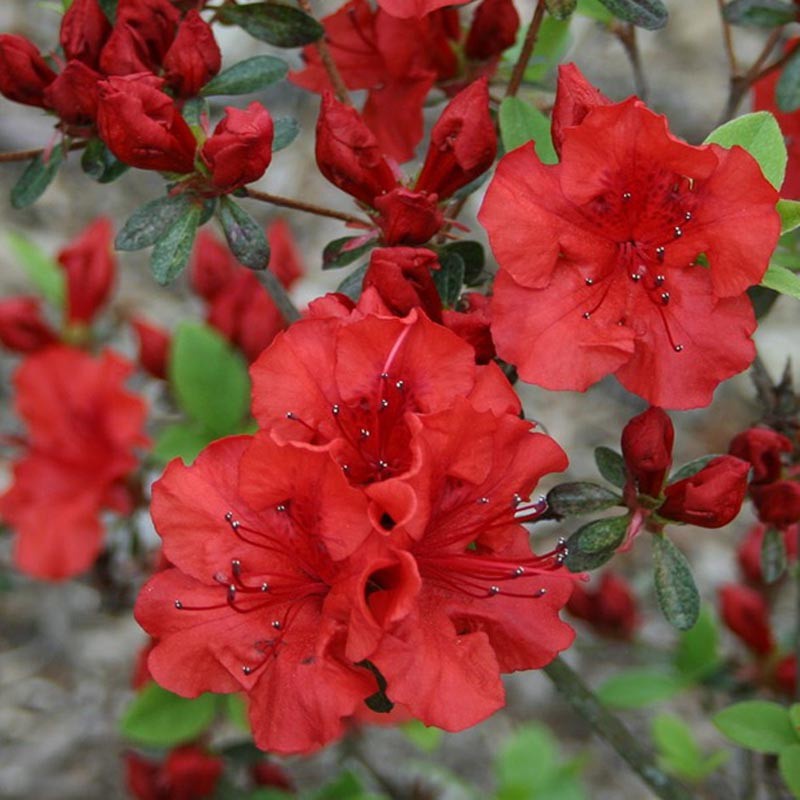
(42, 271)
(789, 766)
(611, 466)
(635, 688)
(244, 235)
(150, 222)
(675, 588)
(759, 13)
(449, 278)
(100, 164)
(341, 252)
(648, 14)
(698, 648)
(757, 725)
(249, 75)
(36, 178)
(782, 280)
(570, 499)
(353, 283)
(787, 91)
(790, 214)
(276, 24)
(473, 256)
(595, 543)
(285, 132)
(172, 250)
(692, 468)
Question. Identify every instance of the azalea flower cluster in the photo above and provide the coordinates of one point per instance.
(365, 548)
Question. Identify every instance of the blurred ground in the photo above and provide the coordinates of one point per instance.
(65, 656)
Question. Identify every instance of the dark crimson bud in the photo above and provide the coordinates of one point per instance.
(762, 447)
(348, 155)
(494, 29)
(74, 95)
(84, 30)
(712, 497)
(610, 608)
(266, 773)
(212, 267)
(285, 259)
(785, 675)
(22, 326)
(24, 74)
(471, 320)
(647, 448)
(188, 773)
(777, 503)
(748, 553)
(575, 98)
(193, 58)
(745, 613)
(240, 149)
(463, 143)
(408, 217)
(154, 345)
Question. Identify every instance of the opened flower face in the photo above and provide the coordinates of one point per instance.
(631, 256)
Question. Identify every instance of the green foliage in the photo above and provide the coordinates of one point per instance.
(158, 718)
(759, 13)
(594, 9)
(675, 587)
(334, 255)
(611, 466)
(790, 214)
(638, 687)
(151, 221)
(678, 752)
(285, 132)
(352, 284)
(244, 235)
(561, 9)
(449, 278)
(789, 766)
(595, 543)
(648, 14)
(692, 468)
(247, 76)
(551, 45)
(42, 271)
(787, 91)
(570, 499)
(173, 248)
(36, 178)
(760, 135)
(99, 163)
(273, 23)
(773, 555)
(182, 440)
(425, 737)
(757, 725)
(346, 786)
(521, 123)
(697, 655)
(473, 256)
(782, 280)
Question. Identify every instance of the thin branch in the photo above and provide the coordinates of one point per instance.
(26, 155)
(279, 296)
(627, 37)
(727, 38)
(527, 50)
(740, 84)
(610, 728)
(339, 86)
(797, 621)
(309, 208)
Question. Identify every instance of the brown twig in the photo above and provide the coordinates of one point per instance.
(339, 86)
(26, 155)
(727, 38)
(526, 52)
(309, 208)
(740, 84)
(627, 37)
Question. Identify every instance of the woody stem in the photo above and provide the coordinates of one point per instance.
(26, 155)
(339, 87)
(610, 728)
(627, 38)
(309, 208)
(527, 50)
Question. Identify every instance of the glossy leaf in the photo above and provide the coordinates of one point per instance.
(273, 23)
(648, 14)
(473, 256)
(595, 543)
(759, 13)
(285, 132)
(572, 499)
(353, 283)
(782, 280)
(611, 466)
(247, 76)
(341, 252)
(521, 123)
(99, 163)
(449, 278)
(790, 214)
(692, 468)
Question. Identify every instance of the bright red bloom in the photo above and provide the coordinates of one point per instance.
(84, 31)
(575, 98)
(24, 74)
(188, 773)
(598, 265)
(745, 612)
(82, 428)
(142, 126)
(610, 608)
(471, 319)
(240, 149)
(748, 553)
(154, 346)
(90, 266)
(414, 8)
(762, 447)
(193, 58)
(777, 503)
(22, 326)
(712, 497)
(647, 442)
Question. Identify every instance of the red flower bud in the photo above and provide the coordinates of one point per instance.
(84, 30)
(348, 155)
(265, 773)
(193, 58)
(285, 259)
(408, 217)
(786, 675)
(471, 320)
(240, 149)
(90, 267)
(777, 503)
(712, 497)
(153, 347)
(212, 267)
(22, 327)
(188, 774)
(73, 95)
(647, 448)
(493, 30)
(463, 143)
(402, 278)
(745, 613)
(762, 447)
(610, 608)
(575, 98)
(748, 553)
(24, 74)
(142, 127)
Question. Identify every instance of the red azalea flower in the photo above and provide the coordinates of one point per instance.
(154, 343)
(777, 503)
(762, 447)
(24, 74)
(745, 612)
(193, 58)
(414, 8)
(74, 96)
(647, 442)
(598, 266)
(748, 553)
(82, 428)
(84, 31)
(493, 30)
(471, 319)
(285, 259)
(188, 773)
(610, 608)
(22, 326)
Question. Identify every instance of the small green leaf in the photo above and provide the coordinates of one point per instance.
(773, 555)
(279, 25)
(151, 221)
(692, 468)
(521, 123)
(782, 280)
(636, 688)
(426, 737)
(158, 718)
(449, 278)
(99, 163)
(611, 466)
(697, 655)
(678, 752)
(36, 178)
(473, 256)
(595, 543)
(353, 283)
(285, 132)
(648, 14)
(247, 76)
(759, 134)
(42, 271)
(561, 9)
(794, 717)
(109, 9)
(789, 766)
(244, 235)
(194, 110)
(209, 378)
(572, 499)
(759, 13)
(341, 252)
(675, 588)
(594, 9)
(173, 248)
(790, 214)
(757, 725)
(182, 440)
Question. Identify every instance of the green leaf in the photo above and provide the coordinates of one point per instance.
(678, 752)
(594, 9)
(571, 499)
(353, 283)
(236, 710)
(692, 468)
(773, 555)
(279, 25)
(782, 280)
(561, 9)
(759, 134)
(244, 235)
(697, 655)
(794, 717)
(675, 588)
(425, 737)
(473, 256)
(762, 300)
(209, 378)
(521, 123)
(757, 725)
(648, 14)
(595, 543)
(36, 178)
(787, 90)
(345, 786)
(109, 9)
(340, 252)
(173, 248)
(285, 132)
(790, 214)
(182, 440)
(789, 766)
(551, 44)
(449, 278)
(636, 688)
(193, 111)
(247, 76)
(42, 271)
(150, 222)
(759, 13)
(158, 718)
(99, 163)
(611, 466)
